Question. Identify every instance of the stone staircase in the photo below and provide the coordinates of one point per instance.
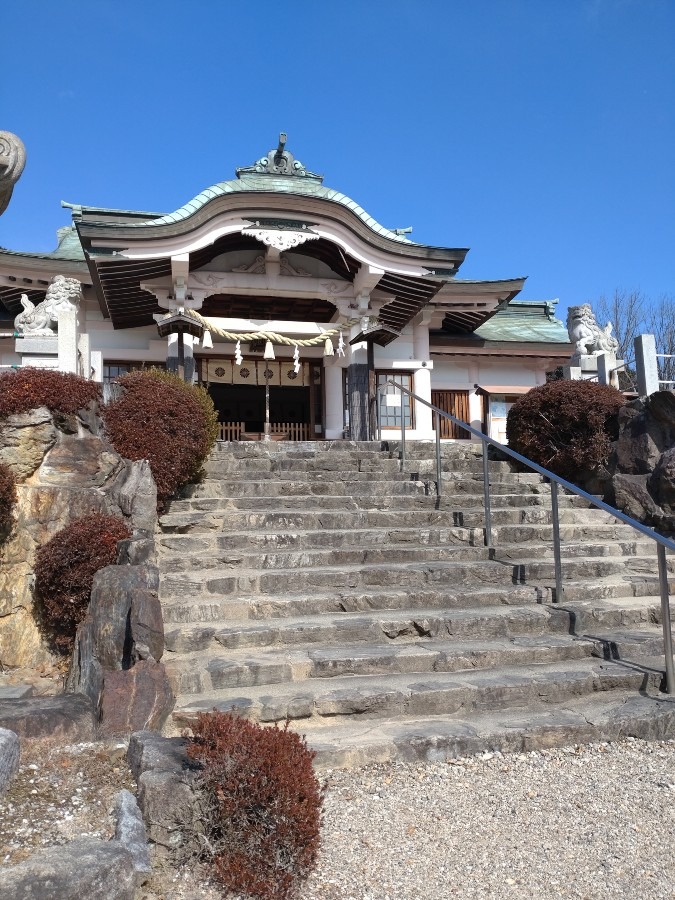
(318, 582)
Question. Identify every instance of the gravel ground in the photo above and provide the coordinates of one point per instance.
(588, 822)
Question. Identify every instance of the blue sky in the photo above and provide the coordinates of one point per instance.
(539, 133)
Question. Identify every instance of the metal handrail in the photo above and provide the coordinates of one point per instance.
(663, 543)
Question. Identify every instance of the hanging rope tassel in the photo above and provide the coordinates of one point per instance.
(269, 351)
(328, 348)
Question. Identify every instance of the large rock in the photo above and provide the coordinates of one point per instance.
(67, 717)
(130, 832)
(641, 440)
(65, 470)
(167, 794)
(123, 624)
(643, 464)
(25, 438)
(135, 699)
(150, 752)
(10, 754)
(662, 481)
(135, 494)
(632, 496)
(86, 868)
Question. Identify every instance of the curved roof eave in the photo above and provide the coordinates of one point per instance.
(266, 184)
(258, 186)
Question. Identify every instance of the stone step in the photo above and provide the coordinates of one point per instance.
(315, 559)
(272, 519)
(351, 555)
(206, 544)
(245, 609)
(642, 645)
(223, 464)
(416, 575)
(412, 499)
(389, 626)
(609, 716)
(199, 673)
(436, 694)
(224, 490)
(588, 618)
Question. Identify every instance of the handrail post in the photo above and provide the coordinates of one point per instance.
(439, 473)
(555, 517)
(486, 496)
(665, 618)
(379, 415)
(402, 436)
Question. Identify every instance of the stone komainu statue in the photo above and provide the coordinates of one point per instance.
(586, 334)
(12, 161)
(63, 293)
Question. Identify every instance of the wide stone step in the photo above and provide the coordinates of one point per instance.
(416, 575)
(203, 672)
(207, 544)
(609, 716)
(225, 490)
(414, 498)
(360, 512)
(643, 646)
(437, 694)
(588, 618)
(389, 626)
(223, 464)
(315, 559)
(411, 552)
(243, 608)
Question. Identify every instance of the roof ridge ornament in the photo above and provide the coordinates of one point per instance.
(279, 162)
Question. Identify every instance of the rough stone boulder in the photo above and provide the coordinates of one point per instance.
(10, 754)
(118, 648)
(167, 795)
(64, 470)
(643, 463)
(86, 868)
(68, 717)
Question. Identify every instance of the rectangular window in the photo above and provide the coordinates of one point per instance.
(395, 405)
(113, 370)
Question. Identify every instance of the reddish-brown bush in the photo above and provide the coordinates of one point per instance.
(263, 804)
(28, 388)
(164, 420)
(565, 426)
(65, 569)
(7, 500)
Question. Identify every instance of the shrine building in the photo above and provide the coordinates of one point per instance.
(273, 258)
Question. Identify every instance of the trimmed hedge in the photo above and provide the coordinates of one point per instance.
(24, 389)
(65, 569)
(262, 804)
(565, 426)
(7, 500)
(164, 420)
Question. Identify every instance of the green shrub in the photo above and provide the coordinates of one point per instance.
(24, 389)
(7, 500)
(65, 569)
(164, 420)
(565, 426)
(263, 804)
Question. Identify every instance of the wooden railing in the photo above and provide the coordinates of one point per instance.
(292, 431)
(230, 431)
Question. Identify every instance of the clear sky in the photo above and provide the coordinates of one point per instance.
(539, 133)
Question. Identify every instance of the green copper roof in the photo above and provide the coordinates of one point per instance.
(69, 247)
(252, 182)
(529, 321)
